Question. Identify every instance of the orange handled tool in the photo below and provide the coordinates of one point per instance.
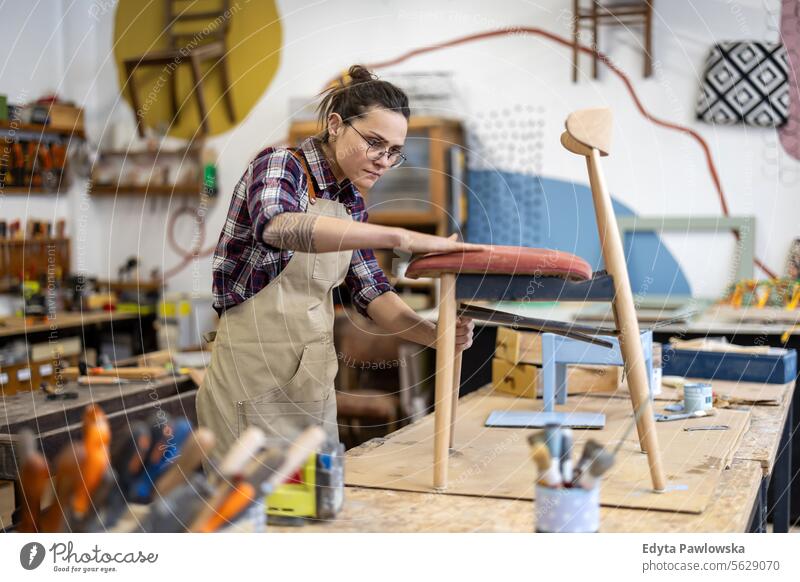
(68, 475)
(239, 499)
(94, 416)
(33, 479)
(93, 468)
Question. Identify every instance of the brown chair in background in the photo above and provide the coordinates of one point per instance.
(367, 385)
(622, 13)
(194, 36)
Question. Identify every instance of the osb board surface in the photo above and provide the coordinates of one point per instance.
(760, 443)
(734, 392)
(381, 510)
(494, 462)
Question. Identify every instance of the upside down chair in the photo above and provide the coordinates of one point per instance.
(529, 274)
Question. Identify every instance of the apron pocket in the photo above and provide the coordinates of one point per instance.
(280, 420)
(286, 410)
(332, 267)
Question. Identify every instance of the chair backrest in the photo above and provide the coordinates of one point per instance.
(196, 22)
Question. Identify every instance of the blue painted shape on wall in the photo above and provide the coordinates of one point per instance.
(507, 208)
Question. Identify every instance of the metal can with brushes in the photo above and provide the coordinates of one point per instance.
(567, 509)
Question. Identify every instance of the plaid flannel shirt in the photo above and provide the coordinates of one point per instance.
(275, 182)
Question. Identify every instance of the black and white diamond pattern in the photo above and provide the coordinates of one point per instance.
(745, 82)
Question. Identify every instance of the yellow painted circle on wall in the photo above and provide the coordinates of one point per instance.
(252, 53)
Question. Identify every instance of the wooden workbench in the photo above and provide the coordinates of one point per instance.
(56, 422)
(737, 493)
(19, 326)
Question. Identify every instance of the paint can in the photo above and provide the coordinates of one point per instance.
(697, 396)
(655, 379)
(567, 509)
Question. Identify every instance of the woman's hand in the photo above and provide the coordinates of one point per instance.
(464, 329)
(419, 243)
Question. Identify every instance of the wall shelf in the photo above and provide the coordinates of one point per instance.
(136, 190)
(7, 126)
(35, 191)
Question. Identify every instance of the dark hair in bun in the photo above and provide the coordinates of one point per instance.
(356, 92)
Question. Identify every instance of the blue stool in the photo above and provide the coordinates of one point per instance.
(558, 351)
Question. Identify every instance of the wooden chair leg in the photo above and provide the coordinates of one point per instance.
(456, 388)
(173, 95)
(130, 69)
(648, 41)
(595, 21)
(227, 96)
(198, 91)
(625, 313)
(576, 22)
(443, 397)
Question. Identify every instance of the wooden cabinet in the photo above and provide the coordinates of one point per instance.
(32, 259)
(428, 189)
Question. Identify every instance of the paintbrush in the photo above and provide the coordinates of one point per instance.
(600, 463)
(548, 471)
(567, 472)
(589, 450)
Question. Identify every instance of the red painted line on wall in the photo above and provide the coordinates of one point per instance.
(712, 169)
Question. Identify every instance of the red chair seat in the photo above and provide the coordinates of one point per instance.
(502, 260)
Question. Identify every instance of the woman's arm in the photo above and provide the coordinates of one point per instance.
(299, 231)
(392, 314)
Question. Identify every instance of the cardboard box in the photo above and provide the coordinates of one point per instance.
(65, 117)
(7, 503)
(518, 346)
(525, 380)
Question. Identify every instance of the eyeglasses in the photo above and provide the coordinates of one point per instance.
(375, 152)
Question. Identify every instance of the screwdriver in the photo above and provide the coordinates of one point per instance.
(242, 451)
(128, 458)
(68, 464)
(161, 457)
(236, 502)
(197, 447)
(92, 469)
(34, 476)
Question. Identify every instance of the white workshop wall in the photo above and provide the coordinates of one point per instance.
(651, 170)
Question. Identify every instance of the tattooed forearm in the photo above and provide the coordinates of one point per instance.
(292, 231)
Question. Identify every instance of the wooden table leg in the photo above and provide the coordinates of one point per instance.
(445, 360)
(456, 387)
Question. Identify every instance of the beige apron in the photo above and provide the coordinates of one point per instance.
(273, 361)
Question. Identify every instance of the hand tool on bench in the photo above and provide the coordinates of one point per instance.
(197, 447)
(173, 512)
(306, 444)
(143, 373)
(96, 439)
(34, 477)
(57, 392)
(68, 477)
(239, 455)
(130, 454)
(162, 456)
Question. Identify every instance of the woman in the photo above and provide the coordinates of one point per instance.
(296, 229)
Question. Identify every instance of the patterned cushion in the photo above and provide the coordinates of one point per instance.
(503, 260)
(745, 82)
